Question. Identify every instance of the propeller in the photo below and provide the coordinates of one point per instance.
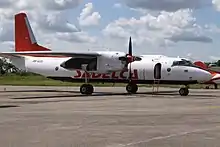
(129, 58)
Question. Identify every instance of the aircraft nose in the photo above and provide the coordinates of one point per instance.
(203, 75)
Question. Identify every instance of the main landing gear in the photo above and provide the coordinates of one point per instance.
(132, 88)
(86, 89)
(184, 91)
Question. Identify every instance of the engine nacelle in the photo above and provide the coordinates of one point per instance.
(107, 62)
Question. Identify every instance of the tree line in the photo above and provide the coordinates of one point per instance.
(217, 63)
(7, 68)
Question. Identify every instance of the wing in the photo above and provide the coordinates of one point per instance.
(50, 54)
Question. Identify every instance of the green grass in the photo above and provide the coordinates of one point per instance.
(37, 80)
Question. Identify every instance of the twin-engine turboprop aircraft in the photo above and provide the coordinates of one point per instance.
(100, 66)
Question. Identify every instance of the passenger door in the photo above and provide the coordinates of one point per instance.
(158, 71)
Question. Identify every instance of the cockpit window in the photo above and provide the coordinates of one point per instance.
(183, 62)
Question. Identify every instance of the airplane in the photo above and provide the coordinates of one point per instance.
(215, 80)
(100, 66)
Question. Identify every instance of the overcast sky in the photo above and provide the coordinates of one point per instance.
(187, 28)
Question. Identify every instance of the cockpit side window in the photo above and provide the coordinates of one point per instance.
(175, 63)
(183, 62)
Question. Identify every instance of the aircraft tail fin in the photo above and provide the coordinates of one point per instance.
(204, 66)
(24, 36)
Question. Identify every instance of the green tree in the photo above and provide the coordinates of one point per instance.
(218, 63)
(207, 63)
(6, 67)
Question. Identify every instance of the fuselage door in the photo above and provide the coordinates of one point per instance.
(157, 71)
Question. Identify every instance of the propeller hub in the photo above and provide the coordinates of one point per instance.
(130, 58)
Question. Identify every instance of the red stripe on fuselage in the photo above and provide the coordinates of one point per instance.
(112, 75)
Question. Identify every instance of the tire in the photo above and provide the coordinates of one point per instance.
(90, 89)
(132, 88)
(184, 91)
(86, 89)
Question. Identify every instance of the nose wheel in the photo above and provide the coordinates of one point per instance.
(86, 89)
(184, 91)
(132, 88)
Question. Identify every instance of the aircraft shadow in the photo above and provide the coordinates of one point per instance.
(99, 94)
(170, 93)
(17, 91)
(140, 94)
(57, 98)
(8, 106)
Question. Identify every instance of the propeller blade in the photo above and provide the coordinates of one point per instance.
(128, 58)
(122, 58)
(130, 47)
(129, 77)
(137, 58)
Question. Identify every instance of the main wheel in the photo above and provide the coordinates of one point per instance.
(132, 88)
(86, 89)
(184, 91)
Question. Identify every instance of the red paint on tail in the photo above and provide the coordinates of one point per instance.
(201, 64)
(205, 67)
(24, 37)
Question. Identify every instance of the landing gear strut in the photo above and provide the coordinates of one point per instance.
(86, 88)
(184, 91)
(216, 86)
(132, 88)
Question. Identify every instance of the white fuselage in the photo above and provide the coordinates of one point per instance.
(142, 71)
